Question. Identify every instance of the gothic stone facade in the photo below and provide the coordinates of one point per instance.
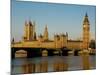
(30, 39)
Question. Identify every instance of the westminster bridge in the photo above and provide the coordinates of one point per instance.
(35, 52)
(35, 49)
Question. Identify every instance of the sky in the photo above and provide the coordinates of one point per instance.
(60, 18)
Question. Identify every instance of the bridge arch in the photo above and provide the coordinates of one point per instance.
(44, 52)
(21, 53)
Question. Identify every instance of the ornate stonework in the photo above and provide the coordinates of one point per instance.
(60, 40)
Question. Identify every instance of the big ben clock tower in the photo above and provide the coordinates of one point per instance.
(86, 32)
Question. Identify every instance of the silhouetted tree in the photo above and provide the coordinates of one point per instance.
(92, 44)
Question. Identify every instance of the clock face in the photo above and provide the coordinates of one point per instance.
(84, 25)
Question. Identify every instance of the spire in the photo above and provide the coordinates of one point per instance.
(34, 26)
(86, 15)
(46, 33)
(66, 34)
(34, 32)
(46, 28)
(86, 19)
(12, 40)
(30, 23)
(34, 36)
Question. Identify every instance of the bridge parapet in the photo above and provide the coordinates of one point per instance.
(34, 44)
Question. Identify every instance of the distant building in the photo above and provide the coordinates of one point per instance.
(30, 39)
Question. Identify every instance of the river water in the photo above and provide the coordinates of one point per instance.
(70, 63)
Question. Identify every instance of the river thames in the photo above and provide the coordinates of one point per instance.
(51, 64)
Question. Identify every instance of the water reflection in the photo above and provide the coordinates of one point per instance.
(28, 67)
(42, 67)
(60, 65)
(55, 63)
(85, 61)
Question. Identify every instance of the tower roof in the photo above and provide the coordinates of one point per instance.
(13, 40)
(86, 18)
(46, 28)
(86, 15)
(30, 23)
(66, 34)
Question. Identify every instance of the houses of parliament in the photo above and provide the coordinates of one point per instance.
(31, 39)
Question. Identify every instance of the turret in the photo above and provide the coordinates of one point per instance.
(40, 38)
(12, 41)
(28, 31)
(34, 32)
(57, 41)
(63, 40)
(45, 36)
